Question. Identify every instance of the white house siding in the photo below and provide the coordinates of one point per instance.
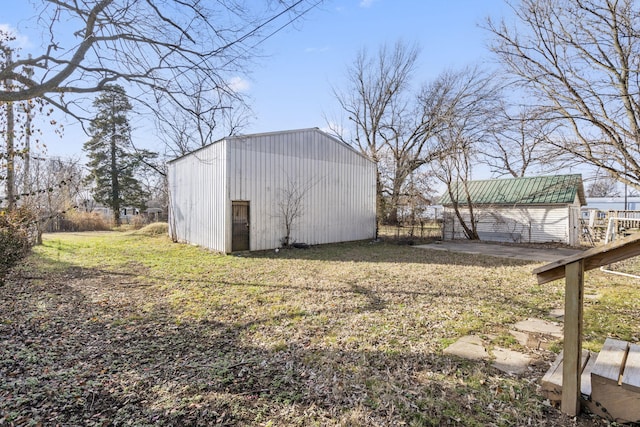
(526, 224)
(197, 187)
(339, 204)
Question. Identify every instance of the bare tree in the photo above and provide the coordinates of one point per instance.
(372, 95)
(603, 186)
(520, 144)
(205, 115)
(9, 130)
(472, 102)
(19, 131)
(454, 171)
(56, 187)
(151, 44)
(290, 206)
(392, 125)
(581, 61)
(417, 193)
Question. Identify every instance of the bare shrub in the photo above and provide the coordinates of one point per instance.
(154, 229)
(85, 221)
(138, 221)
(15, 239)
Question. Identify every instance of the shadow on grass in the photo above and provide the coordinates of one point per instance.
(95, 347)
(386, 252)
(70, 360)
(373, 298)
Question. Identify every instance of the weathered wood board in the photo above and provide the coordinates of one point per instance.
(592, 258)
(611, 361)
(551, 382)
(605, 383)
(585, 378)
(610, 397)
(631, 375)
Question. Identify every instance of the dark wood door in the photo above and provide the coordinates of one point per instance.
(240, 226)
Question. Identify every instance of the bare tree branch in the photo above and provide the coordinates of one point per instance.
(581, 61)
(152, 44)
(519, 143)
(473, 99)
(391, 125)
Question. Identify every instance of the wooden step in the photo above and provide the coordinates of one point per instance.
(615, 382)
(552, 381)
(609, 382)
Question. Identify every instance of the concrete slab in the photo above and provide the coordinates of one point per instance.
(469, 347)
(539, 326)
(501, 251)
(509, 361)
(533, 340)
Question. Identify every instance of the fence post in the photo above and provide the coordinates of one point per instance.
(572, 363)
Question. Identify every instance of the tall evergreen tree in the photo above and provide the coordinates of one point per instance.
(112, 158)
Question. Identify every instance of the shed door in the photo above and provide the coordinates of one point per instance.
(240, 226)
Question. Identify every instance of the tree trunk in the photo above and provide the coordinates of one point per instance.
(115, 185)
(470, 232)
(380, 203)
(395, 198)
(10, 183)
(392, 219)
(473, 232)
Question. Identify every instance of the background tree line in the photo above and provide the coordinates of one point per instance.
(101, 60)
(566, 94)
(170, 59)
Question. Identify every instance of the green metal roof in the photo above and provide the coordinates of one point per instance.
(540, 190)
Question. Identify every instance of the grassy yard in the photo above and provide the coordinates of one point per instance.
(131, 329)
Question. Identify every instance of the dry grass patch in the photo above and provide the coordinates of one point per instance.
(132, 329)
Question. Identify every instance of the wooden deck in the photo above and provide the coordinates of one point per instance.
(609, 381)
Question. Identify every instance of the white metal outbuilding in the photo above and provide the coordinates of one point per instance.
(230, 195)
(525, 210)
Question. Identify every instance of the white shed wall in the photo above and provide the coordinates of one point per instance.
(531, 224)
(198, 211)
(339, 204)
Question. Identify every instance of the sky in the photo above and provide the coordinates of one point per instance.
(290, 86)
(294, 87)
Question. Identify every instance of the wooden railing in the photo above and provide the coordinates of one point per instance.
(572, 269)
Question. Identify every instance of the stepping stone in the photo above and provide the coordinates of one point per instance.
(557, 313)
(533, 340)
(472, 347)
(539, 326)
(509, 361)
(469, 347)
(523, 338)
(537, 333)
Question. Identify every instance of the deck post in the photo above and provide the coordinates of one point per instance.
(572, 269)
(571, 371)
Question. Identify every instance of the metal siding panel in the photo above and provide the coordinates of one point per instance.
(332, 213)
(340, 206)
(196, 186)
